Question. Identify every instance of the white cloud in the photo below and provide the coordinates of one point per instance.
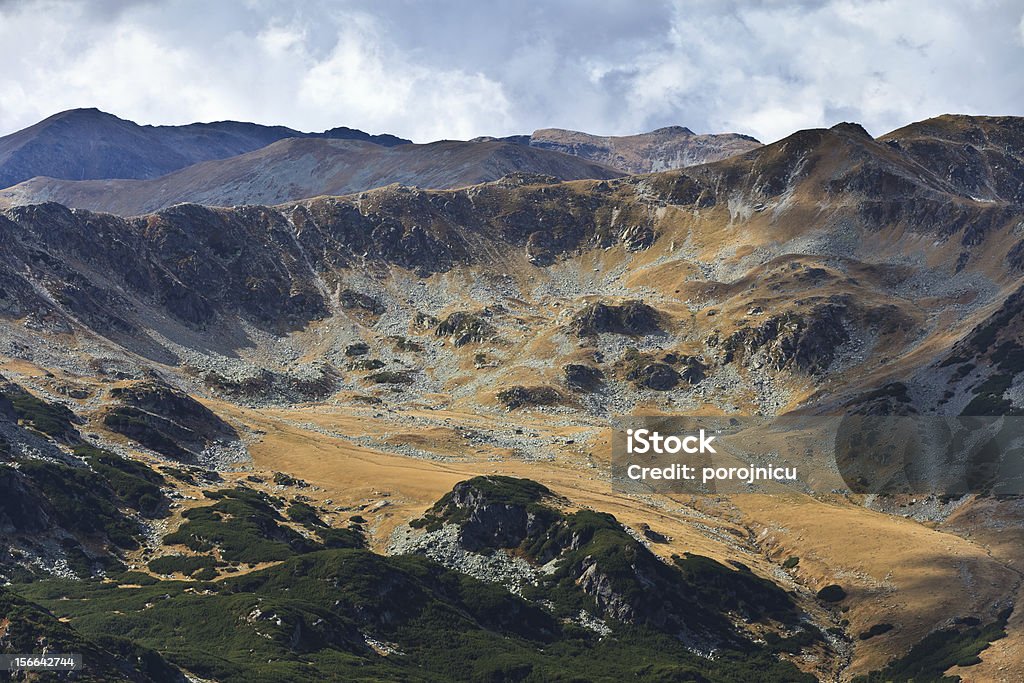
(460, 68)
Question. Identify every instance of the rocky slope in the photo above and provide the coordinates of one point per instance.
(298, 168)
(82, 144)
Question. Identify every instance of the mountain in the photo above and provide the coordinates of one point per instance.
(660, 150)
(314, 420)
(82, 144)
(297, 168)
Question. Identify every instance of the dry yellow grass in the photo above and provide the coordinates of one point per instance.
(896, 570)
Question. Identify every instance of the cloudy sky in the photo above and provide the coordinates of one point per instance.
(461, 68)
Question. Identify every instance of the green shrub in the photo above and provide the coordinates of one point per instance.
(390, 377)
(937, 652)
(183, 564)
(51, 419)
(135, 484)
(304, 514)
(244, 525)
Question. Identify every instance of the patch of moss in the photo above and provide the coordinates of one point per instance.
(183, 564)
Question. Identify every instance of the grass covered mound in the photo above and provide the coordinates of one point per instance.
(136, 485)
(51, 419)
(246, 526)
(107, 658)
(87, 500)
(88, 508)
(76, 499)
(592, 564)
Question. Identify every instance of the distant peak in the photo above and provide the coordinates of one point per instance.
(851, 128)
(676, 130)
(83, 113)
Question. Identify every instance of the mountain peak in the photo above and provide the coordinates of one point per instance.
(851, 128)
(675, 130)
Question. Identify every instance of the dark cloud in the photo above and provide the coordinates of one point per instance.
(456, 68)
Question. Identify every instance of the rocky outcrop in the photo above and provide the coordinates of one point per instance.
(657, 376)
(520, 397)
(464, 328)
(632, 318)
(660, 372)
(264, 386)
(805, 341)
(494, 512)
(168, 422)
(588, 554)
(582, 378)
(357, 301)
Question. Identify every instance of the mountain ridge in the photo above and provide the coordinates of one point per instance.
(299, 168)
(661, 149)
(81, 144)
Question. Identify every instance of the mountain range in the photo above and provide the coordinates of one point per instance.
(369, 435)
(88, 144)
(88, 159)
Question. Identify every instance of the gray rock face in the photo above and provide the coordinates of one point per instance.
(171, 423)
(804, 341)
(582, 378)
(632, 318)
(488, 524)
(657, 376)
(445, 546)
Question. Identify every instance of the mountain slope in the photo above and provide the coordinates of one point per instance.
(297, 168)
(82, 144)
(370, 351)
(660, 150)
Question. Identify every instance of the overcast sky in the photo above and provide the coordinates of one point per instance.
(461, 68)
